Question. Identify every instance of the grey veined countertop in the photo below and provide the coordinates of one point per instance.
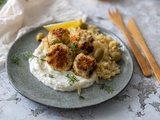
(140, 100)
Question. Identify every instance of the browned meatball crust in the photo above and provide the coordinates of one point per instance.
(84, 65)
(83, 41)
(59, 57)
(60, 35)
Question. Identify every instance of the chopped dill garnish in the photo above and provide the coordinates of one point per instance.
(51, 76)
(43, 58)
(45, 75)
(109, 89)
(15, 59)
(76, 60)
(72, 79)
(54, 42)
(28, 54)
(75, 49)
(81, 97)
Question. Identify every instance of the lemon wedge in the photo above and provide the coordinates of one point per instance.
(73, 23)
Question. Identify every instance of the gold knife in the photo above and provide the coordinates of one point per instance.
(133, 29)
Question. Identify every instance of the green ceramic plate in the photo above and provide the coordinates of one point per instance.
(26, 84)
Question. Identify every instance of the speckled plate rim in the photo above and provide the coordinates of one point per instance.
(57, 106)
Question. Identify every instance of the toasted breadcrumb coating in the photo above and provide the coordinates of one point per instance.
(84, 65)
(60, 35)
(83, 40)
(59, 57)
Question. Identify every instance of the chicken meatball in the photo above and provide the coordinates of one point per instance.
(58, 36)
(84, 65)
(59, 57)
(83, 41)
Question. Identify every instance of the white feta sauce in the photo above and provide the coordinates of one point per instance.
(55, 79)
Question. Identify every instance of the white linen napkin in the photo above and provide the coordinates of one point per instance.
(19, 16)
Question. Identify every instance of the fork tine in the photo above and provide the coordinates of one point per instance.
(109, 13)
(117, 11)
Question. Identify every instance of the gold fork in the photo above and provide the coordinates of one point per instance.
(116, 18)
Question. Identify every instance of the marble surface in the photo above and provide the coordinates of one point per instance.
(140, 100)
